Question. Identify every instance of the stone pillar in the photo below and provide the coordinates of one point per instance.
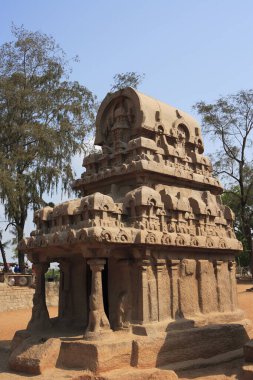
(232, 278)
(208, 302)
(65, 304)
(188, 289)
(98, 321)
(40, 318)
(217, 269)
(173, 266)
(143, 303)
(203, 286)
(161, 295)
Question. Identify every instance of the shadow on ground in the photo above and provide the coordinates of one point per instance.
(232, 369)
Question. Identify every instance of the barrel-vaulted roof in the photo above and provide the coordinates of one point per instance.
(148, 113)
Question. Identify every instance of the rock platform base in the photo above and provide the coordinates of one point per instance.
(138, 356)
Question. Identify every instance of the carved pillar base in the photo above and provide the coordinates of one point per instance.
(98, 325)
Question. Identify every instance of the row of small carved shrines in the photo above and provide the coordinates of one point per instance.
(192, 227)
(176, 162)
(201, 176)
(144, 148)
(71, 237)
(162, 220)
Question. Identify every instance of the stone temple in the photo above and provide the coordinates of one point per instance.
(146, 254)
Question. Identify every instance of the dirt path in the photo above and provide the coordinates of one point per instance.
(245, 299)
(16, 320)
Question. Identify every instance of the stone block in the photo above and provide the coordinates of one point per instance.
(18, 338)
(178, 346)
(33, 355)
(96, 356)
(248, 351)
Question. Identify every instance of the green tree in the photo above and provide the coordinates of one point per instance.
(3, 246)
(44, 119)
(128, 79)
(229, 122)
(233, 201)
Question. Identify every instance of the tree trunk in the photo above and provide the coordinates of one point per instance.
(246, 230)
(21, 256)
(3, 256)
(21, 261)
(248, 237)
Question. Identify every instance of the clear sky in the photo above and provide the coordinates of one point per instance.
(190, 50)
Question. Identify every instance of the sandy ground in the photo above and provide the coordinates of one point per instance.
(11, 321)
(16, 320)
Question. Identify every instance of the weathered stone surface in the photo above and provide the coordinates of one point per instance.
(179, 346)
(19, 338)
(33, 356)
(248, 351)
(182, 208)
(96, 356)
(147, 251)
(15, 297)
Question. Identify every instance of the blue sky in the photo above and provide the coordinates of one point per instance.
(190, 50)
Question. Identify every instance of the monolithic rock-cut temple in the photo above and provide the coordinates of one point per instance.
(146, 253)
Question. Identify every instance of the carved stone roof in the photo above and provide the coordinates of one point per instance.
(139, 134)
(144, 195)
(150, 185)
(147, 113)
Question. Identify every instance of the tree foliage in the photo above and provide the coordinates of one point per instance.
(229, 122)
(3, 246)
(128, 79)
(44, 118)
(232, 201)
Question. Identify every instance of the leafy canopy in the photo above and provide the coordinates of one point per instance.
(128, 79)
(229, 122)
(44, 119)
